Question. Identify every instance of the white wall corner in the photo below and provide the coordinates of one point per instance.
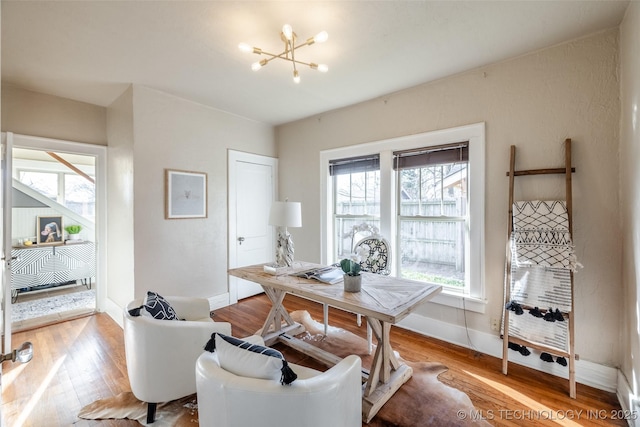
(588, 373)
(114, 311)
(219, 301)
(628, 401)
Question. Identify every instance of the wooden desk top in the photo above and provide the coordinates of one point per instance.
(389, 299)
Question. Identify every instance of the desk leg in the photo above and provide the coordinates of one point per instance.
(387, 373)
(272, 327)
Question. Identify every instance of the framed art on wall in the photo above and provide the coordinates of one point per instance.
(185, 194)
(49, 229)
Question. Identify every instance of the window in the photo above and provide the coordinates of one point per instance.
(71, 184)
(356, 190)
(45, 183)
(432, 214)
(426, 196)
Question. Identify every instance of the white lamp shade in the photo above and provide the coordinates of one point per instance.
(286, 214)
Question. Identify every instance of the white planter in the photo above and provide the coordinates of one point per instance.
(73, 236)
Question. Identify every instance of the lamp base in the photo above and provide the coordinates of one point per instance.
(284, 249)
(275, 269)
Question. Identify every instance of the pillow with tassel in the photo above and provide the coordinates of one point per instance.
(250, 360)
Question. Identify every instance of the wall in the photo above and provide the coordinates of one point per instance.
(630, 197)
(184, 256)
(120, 209)
(33, 113)
(535, 102)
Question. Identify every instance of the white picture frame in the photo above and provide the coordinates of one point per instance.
(185, 194)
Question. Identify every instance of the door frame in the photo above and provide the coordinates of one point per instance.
(233, 157)
(7, 188)
(100, 154)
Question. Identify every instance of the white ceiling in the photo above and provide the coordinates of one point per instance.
(92, 50)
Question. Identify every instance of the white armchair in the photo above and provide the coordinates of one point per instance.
(330, 398)
(161, 354)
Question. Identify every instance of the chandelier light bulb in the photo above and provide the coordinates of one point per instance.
(245, 48)
(296, 76)
(321, 37)
(287, 31)
(323, 68)
(257, 65)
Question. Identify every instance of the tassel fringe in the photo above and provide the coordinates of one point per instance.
(288, 376)
(211, 344)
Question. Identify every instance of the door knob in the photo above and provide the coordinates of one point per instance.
(240, 239)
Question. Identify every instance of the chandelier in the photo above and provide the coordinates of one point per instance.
(289, 38)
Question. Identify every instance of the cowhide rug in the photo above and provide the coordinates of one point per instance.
(182, 412)
(422, 401)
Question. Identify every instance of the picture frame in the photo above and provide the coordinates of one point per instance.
(185, 194)
(49, 230)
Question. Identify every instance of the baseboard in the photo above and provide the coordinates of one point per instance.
(628, 401)
(114, 311)
(588, 373)
(219, 301)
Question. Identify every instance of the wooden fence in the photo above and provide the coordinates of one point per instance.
(424, 241)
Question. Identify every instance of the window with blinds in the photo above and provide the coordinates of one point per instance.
(356, 199)
(432, 220)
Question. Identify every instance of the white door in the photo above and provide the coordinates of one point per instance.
(5, 233)
(252, 190)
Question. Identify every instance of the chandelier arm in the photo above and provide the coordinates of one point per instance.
(281, 56)
(301, 45)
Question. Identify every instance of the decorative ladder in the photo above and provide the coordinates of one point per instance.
(570, 354)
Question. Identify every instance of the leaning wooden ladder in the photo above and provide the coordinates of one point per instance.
(570, 354)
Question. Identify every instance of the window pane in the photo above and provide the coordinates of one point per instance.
(439, 190)
(43, 182)
(358, 193)
(80, 195)
(433, 251)
(356, 201)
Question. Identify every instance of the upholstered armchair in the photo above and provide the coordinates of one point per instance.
(161, 354)
(330, 398)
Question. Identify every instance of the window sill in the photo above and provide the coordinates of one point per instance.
(456, 300)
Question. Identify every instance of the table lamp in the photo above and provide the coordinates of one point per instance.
(285, 214)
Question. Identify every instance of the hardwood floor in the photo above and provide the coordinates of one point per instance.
(82, 360)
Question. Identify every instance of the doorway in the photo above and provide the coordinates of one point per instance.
(57, 190)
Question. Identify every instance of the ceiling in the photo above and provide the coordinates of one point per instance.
(92, 50)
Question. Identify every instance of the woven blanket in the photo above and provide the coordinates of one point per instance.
(541, 235)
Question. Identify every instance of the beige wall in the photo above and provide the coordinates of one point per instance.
(185, 256)
(535, 102)
(36, 114)
(630, 193)
(120, 259)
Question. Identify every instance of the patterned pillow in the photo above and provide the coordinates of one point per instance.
(159, 308)
(245, 359)
(155, 306)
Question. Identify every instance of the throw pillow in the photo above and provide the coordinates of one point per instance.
(155, 306)
(159, 308)
(250, 360)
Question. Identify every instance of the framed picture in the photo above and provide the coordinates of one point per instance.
(49, 230)
(185, 194)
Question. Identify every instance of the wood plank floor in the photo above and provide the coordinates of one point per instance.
(82, 360)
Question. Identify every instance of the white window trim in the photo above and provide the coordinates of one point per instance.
(475, 134)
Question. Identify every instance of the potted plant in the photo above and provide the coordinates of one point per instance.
(351, 267)
(73, 231)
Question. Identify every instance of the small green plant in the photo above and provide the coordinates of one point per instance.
(350, 267)
(73, 229)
